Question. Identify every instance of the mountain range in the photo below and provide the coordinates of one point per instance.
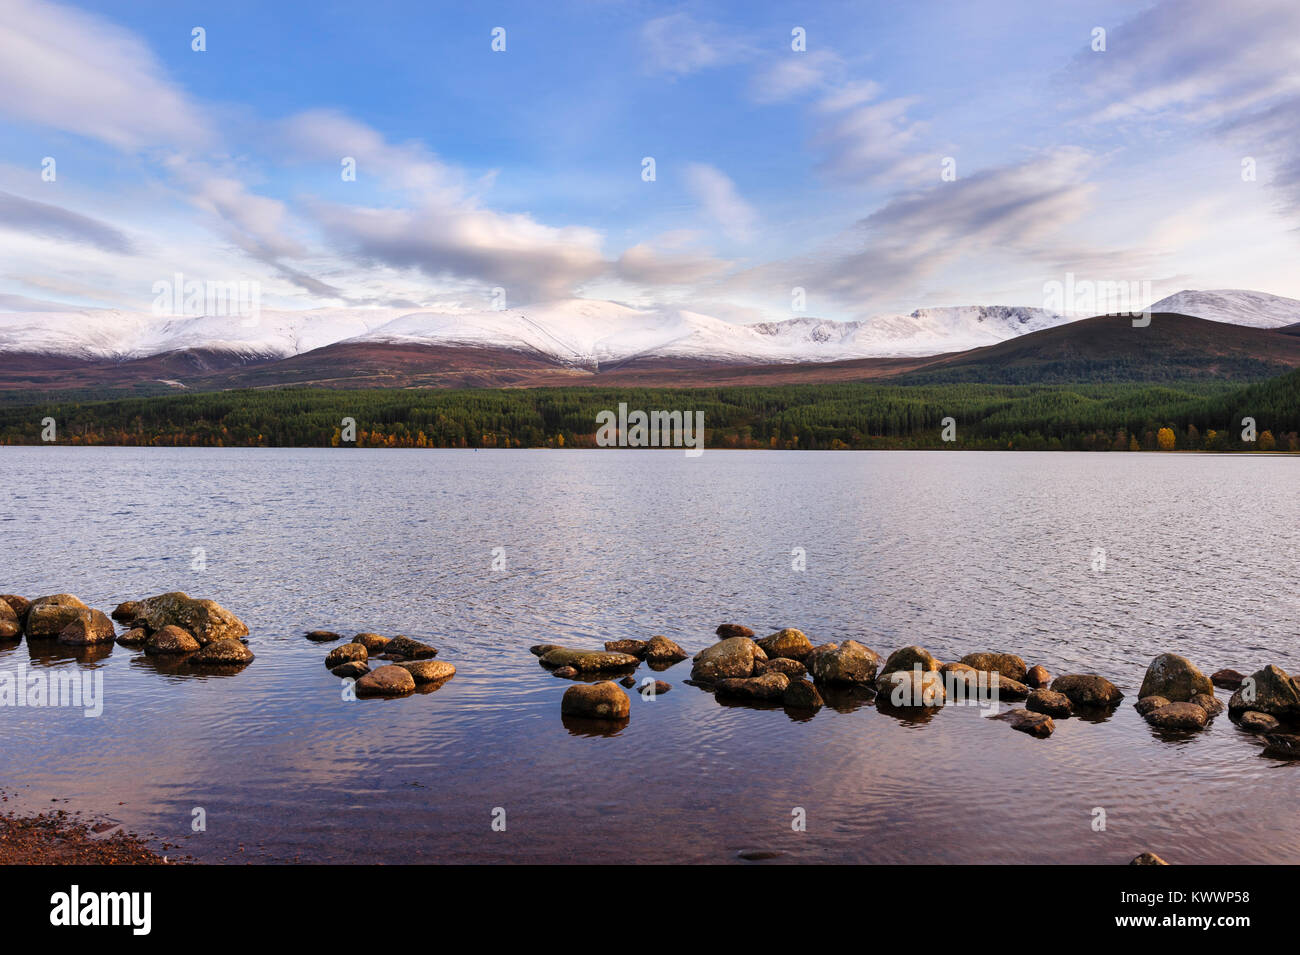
(1233, 333)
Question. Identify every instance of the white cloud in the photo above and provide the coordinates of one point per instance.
(720, 199)
(679, 45)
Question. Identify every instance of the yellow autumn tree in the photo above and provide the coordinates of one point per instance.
(1266, 441)
(1165, 439)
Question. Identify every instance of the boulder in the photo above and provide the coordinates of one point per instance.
(206, 620)
(602, 701)
(1253, 722)
(133, 638)
(90, 626)
(1175, 678)
(1269, 691)
(353, 669)
(728, 630)
(385, 681)
(802, 695)
(907, 658)
(10, 626)
(1013, 691)
(845, 663)
(770, 687)
(1038, 677)
(1212, 705)
(911, 689)
(789, 643)
(126, 611)
(659, 649)
(408, 649)
(791, 668)
(1049, 702)
(346, 653)
(1148, 858)
(1148, 703)
(228, 652)
(1036, 724)
(1286, 745)
(541, 649)
(1088, 689)
(1008, 664)
(1178, 716)
(727, 659)
(19, 605)
(569, 673)
(323, 636)
(47, 616)
(170, 640)
(1227, 679)
(373, 642)
(588, 661)
(635, 648)
(429, 671)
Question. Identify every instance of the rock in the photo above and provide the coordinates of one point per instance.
(1149, 703)
(603, 701)
(126, 611)
(1007, 664)
(791, 668)
(228, 652)
(408, 649)
(170, 639)
(1034, 723)
(91, 626)
(1046, 701)
(1178, 716)
(635, 648)
(1212, 705)
(910, 689)
(346, 653)
(10, 626)
(728, 630)
(47, 616)
(770, 687)
(1007, 689)
(1269, 691)
(662, 687)
(845, 663)
(386, 681)
(373, 642)
(569, 673)
(802, 695)
(727, 659)
(627, 681)
(133, 638)
(1088, 689)
(429, 671)
(659, 649)
(1227, 679)
(1148, 858)
(589, 661)
(206, 620)
(19, 605)
(1253, 722)
(789, 643)
(353, 669)
(1286, 745)
(323, 636)
(541, 649)
(1175, 678)
(907, 658)
(1038, 677)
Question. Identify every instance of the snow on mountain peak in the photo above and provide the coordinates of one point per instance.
(1234, 306)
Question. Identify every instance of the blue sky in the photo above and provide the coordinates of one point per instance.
(775, 168)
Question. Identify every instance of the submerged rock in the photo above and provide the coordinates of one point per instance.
(1270, 691)
(1227, 679)
(1286, 745)
(604, 701)
(1038, 677)
(1175, 678)
(588, 661)
(1088, 689)
(346, 653)
(727, 659)
(1253, 722)
(1036, 724)
(205, 620)
(1008, 664)
(541, 649)
(47, 616)
(770, 687)
(789, 643)
(728, 630)
(1148, 858)
(846, 663)
(323, 636)
(659, 649)
(429, 671)
(802, 695)
(373, 642)
(353, 669)
(1178, 716)
(229, 652)
(385, 681)
(569, 673)
(1046, 701)
(408, 649)
(170, 640)
(91, 626)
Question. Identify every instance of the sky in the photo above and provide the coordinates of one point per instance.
(880, 157)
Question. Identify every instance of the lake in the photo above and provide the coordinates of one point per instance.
(954, 551)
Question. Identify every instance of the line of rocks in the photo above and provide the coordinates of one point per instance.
(605, 700)
(411, 664)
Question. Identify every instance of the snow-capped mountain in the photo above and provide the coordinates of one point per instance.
(1235, 306)
(578, 332)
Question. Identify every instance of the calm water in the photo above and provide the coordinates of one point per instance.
(954, 551)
